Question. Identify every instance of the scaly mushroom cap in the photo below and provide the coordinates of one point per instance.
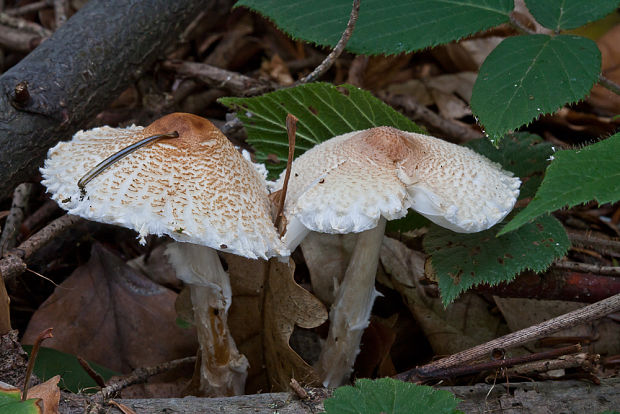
(195, 188)
(346, 183)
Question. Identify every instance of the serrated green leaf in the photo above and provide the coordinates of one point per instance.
(389, 396)
(461, 261)
(51, 362)
(528, 76)
(324, 111)
(569, 14)
(524, 154)
(575, 177)
(383, 27)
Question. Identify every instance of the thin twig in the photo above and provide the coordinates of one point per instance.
(28, 8)
(452, 372)
(586, 314)
(234, 82)
(291, 129)
(609, 84)
(33, 356)
(91, 372)
(520, 26)
(25, 25)
(14, 262)
(587, 239)
(140, 375)
(331, 58)
(585, 267)
(12, 226)
(60, 12)
(587, 362)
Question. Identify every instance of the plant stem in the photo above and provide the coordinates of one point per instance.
(33, 356)
(331, 58)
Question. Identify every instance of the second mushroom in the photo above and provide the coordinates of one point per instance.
(354, 182)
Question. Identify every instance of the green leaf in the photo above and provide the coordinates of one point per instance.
(383, 27)
(30, 406)
(528, 76)
(10, 402)
(51, 362)
(410, 222)
(524, 154)
(389, 396)
(324, 111)
(575, 177)
(569, 14)
(461, 261)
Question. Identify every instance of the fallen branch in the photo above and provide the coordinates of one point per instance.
(451, 372)
(586, 267)
(141, 375)
(75, 74)
(13, 263)
(586, 314)
(451, 130)
(234, 82)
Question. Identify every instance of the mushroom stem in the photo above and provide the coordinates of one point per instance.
(223, 369)
(350, 312)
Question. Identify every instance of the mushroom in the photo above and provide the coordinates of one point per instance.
(198, 190)
(354, 182)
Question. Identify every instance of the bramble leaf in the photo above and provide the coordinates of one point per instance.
(569, 14)
(575, 177)
(390, 396)
(383, 27)
(528, 76)
(10, 402)
(524, 154)
(461, 261)
(324, 111)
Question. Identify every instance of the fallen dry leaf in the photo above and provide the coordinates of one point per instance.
(245, 317)
(49, 393)
(266, 305)
(109, 313)
(275, 69)
(327, 257)
(374, 357)
(157, 268)
(601, 98)
(465, 323)
(450, 92)
(287, 304)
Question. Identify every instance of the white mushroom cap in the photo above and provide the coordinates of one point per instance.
(195, 188)
(347, 183)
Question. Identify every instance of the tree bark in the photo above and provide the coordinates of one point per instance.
(69, 78)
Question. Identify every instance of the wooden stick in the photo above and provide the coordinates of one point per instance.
(586, 314)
